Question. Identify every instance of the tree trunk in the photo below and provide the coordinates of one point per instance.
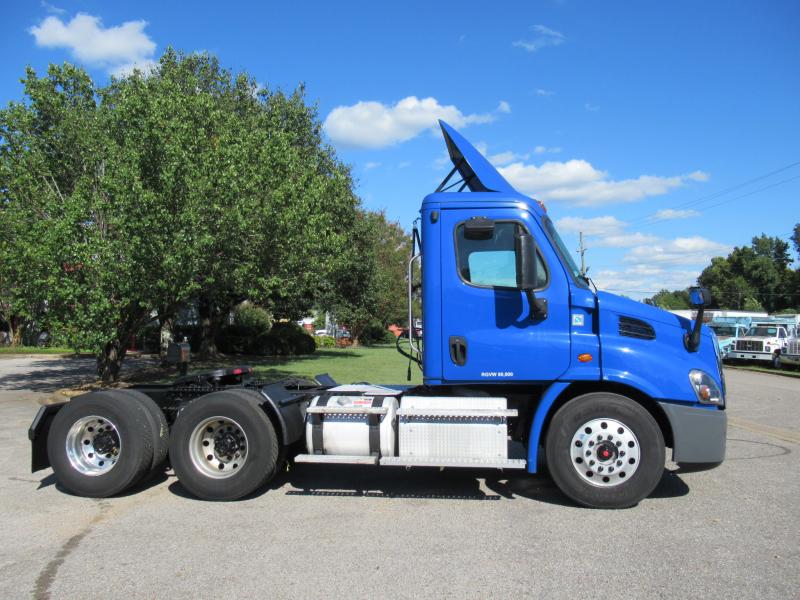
(208, 329)
(167, 336)
(15, 330)
(109, 361)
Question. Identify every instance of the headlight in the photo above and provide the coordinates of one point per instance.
(705, 388)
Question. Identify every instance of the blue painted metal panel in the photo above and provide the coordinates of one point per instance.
(503, 343)
(659, 367)
(549, 396)
(431, 294)
(477, 172)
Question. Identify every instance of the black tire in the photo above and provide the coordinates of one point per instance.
(242, 407)
(622, 493)
(158, 424)
(132, 423)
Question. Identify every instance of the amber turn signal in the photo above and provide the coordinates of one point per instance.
(585, 357)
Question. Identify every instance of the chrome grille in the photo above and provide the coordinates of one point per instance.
(750, 346)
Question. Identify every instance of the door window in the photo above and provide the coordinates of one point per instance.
(491, 262)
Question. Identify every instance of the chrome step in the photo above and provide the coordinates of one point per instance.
(347, 410)
(481, 463)
(336, 459)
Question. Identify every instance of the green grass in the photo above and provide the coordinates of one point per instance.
(34, 350)
(376, 364)
(785, 371)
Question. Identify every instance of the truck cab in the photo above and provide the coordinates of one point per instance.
(765, 341)
(525, 364)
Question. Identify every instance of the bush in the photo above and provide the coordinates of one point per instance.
(287, 339)
(375, 333)
(282, 339)
(252, 318)
(325, 341)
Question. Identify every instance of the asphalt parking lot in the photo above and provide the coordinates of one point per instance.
(366, 532)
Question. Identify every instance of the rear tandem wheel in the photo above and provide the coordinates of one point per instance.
(223, 445)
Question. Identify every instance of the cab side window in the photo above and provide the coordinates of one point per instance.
(491, 262)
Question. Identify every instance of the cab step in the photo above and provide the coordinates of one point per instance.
(336, 459)
(435, 461)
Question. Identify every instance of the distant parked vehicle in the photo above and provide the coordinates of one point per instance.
(321, 332)
(728, 330)
(766, 340)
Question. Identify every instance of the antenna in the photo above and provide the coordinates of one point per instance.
(582, 250)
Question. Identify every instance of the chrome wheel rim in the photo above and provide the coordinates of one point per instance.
(93, 445)
(218, 447)
(605, 452)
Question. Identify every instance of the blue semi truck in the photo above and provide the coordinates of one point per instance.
(526, 366)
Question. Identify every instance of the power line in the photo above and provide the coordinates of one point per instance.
(727, 190)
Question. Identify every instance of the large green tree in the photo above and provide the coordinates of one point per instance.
(120, 204)
(753, 277)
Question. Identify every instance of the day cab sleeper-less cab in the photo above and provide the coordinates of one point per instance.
(525, 365)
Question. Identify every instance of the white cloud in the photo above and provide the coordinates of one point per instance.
(694, 250)
(544, 93)
(53, 10)
(623, 240)
(591, 107)
(546, 150)
(371, 165)
(503, 158)
(591, 226)
(145, 66)
(669, 214)
(643, 280)
(604, 232)
(578, 182)
(376, 125)
(504, 107)
(543, 37)
(115, 48)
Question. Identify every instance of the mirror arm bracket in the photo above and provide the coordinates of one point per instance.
(537, 306)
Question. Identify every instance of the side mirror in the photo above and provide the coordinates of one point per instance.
(479, 228)
(699, 296)
(527, 275)
(525, 255)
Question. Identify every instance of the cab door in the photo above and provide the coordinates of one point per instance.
(487, 333)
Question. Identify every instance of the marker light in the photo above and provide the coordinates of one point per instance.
(585, 357)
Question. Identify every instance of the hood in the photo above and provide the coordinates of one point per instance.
(640, 310)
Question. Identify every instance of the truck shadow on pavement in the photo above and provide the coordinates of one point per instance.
(425, 484)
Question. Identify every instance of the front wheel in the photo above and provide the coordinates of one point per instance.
(605, 451)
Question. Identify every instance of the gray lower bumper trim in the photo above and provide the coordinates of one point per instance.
(699, 433)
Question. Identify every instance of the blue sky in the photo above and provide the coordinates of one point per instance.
(633, 121)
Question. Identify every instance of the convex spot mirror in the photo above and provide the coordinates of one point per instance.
(699, 296)
(479, 228)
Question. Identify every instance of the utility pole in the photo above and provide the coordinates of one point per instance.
(582, 251)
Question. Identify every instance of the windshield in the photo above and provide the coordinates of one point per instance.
(723, 330)
(761, 331)
(563, 251)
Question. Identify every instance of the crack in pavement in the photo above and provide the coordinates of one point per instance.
(47, 576)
